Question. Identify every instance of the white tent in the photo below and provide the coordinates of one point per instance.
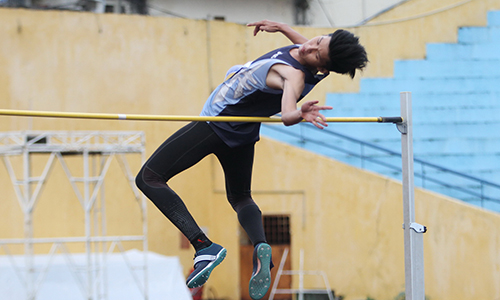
(166, 279)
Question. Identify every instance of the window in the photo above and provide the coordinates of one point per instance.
(277, 229)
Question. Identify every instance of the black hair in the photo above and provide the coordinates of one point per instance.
(346, 53)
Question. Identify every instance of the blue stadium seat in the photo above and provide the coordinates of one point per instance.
(456, 109)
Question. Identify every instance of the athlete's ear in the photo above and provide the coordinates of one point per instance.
(323, 70)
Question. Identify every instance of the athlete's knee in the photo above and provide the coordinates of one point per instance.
(239, 202)
(146, 178)
(139, 180)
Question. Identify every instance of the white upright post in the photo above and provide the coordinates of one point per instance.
(413, 232)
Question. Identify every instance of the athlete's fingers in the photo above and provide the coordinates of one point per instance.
(256, 30)
(308, 105)
(266, 28)
(258, 23)
(257, 27)
(322, 120)
(318, 122)
(325, 107)
(265, 25)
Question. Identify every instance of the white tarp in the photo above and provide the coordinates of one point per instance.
(166, 279)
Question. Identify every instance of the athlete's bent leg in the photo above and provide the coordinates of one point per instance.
(237, 164)
(179, 152)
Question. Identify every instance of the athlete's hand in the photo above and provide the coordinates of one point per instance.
(271, 26)
(310, 112)
(266, 25)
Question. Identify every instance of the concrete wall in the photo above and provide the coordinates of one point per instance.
(347, 221)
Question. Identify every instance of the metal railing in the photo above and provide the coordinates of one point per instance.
(433, 177)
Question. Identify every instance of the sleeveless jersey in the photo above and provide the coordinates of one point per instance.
(245, 93)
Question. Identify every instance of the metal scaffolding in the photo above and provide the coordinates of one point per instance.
(96, 149)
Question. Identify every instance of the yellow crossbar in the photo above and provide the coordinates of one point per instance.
(78, 115)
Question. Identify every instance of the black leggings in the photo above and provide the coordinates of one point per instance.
(181, 151)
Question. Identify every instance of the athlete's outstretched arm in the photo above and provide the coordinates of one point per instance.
(291, 81)
(270, 26)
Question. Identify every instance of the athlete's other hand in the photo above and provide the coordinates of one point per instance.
(310, 112)
(266, 25)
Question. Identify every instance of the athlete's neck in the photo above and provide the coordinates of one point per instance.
(295, 54)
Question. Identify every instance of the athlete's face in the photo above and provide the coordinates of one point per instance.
(314, 53)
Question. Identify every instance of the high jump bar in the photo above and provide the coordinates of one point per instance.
(135, 117)
(413, 232)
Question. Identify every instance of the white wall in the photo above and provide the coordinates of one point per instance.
(342, 13)
(236, 11)
(322, 13)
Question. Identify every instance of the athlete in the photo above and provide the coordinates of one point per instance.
(271, 84)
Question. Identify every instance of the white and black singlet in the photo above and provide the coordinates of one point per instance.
(245, 93)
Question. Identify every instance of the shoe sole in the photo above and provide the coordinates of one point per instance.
(260, 282)
(203, 275)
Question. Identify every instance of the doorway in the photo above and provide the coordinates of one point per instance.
(277, 229)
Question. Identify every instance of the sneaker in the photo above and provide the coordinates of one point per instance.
(261, 276)
(205, 261)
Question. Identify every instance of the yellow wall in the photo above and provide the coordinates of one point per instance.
(348, 221)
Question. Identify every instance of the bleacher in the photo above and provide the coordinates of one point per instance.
(456, 116)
